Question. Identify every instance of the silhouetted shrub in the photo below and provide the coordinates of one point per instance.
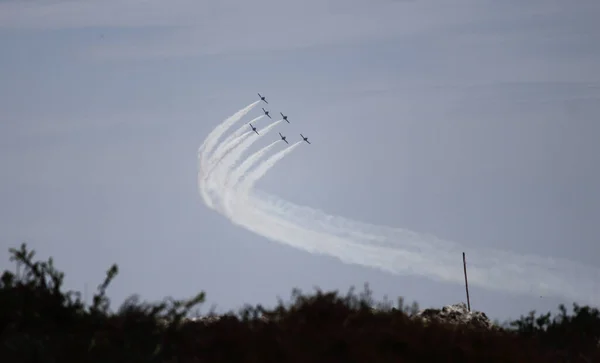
(42, 323)
(577, 334)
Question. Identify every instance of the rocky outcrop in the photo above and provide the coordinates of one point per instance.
(457, 314)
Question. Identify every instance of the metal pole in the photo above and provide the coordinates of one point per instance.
(466, 282)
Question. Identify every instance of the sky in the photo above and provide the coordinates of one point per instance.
(473, 121)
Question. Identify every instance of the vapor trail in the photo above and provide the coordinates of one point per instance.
(433, 258)
(235, 175)
(220, 180)
(212, 138)
(263, 168)
(250, 161)
(221, 153)
(212, 182)
(207, 147)
(230, 160)
(395, 250)
(235, 136)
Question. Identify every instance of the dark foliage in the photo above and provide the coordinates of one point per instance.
(42, 323)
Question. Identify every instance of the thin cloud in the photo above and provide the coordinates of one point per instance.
(194, 28)
(251, 27)
(109, 13)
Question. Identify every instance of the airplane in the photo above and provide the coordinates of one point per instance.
(266, 112)
(284, 117)
(283, 138)
(254, 129)
(305, 138)
(262, 98)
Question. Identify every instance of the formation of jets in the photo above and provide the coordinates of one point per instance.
(264, 99)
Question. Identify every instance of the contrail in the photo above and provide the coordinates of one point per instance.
(221, 153)
(234, 177)
(250, 161)
(234, 156)
(395, 250)
(220, 178)
(432, 258)
(237, 133)
(230, 160)
(214, 179)
(206, 148)
(212, 138)
(264, 167)
(239, 189)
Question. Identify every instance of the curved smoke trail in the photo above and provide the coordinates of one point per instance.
(399, 251)
(237, 135)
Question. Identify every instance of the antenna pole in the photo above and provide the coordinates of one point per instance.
(466, 282)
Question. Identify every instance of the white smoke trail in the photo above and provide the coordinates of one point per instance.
(219, 181)
(206, 148)
(239, 189)
(391, 249)
(488, 268)
(230, 160)
(229, 144)
(219, 155)
(249, 162)
(229, 140)
(429, 256)
(244, 127)
(212, 138)
(230, 190)
(263, 168)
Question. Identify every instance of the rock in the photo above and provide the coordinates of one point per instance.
(457, 314)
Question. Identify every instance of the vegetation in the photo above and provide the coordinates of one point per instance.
(42, 323)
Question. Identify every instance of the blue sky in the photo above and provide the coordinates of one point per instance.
(474, 121)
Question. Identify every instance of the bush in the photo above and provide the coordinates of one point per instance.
(43, 323)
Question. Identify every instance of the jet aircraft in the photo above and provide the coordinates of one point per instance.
(266, 112)
(305, 138)
(283, 138)
(254, 129)
(284, 117)
(262, 98)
